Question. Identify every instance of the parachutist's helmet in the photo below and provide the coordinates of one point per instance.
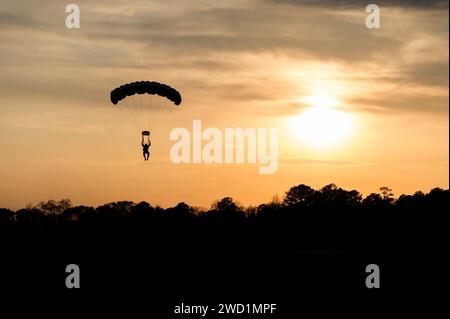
(145, 133)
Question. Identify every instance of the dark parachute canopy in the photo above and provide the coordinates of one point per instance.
(142, 87)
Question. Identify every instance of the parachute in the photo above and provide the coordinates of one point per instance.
(141, 87)
(145, 103)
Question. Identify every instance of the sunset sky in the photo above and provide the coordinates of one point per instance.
(358, 107)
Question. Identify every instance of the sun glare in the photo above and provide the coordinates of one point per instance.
(321, 125)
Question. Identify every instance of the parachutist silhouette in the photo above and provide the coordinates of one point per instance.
(138, 110)
(146, 148)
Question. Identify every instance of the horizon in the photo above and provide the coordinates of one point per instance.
(275, 199)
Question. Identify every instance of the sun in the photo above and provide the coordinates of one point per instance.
(321, 125)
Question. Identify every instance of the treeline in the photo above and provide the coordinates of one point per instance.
(327, 218)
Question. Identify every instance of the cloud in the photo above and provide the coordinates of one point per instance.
(226, 51)
(441, 4)
(429, 74)
(399, 103)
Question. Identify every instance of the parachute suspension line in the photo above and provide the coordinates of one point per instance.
(135, 110)
(129, 121)
(158, 115)
(138, 110)
(144, 112)
(127, 110)
(133, 118)
(167, 113)
(157, 109)
(141, 113)
(150, 113)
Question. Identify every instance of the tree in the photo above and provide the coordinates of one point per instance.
(386, 194)
(181, 210)
(299, 195)
(6, 216)
(74, 214)
(226, 204)
(379, 201)
(54, 207)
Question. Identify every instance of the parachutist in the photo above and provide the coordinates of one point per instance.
(138, 110)
(146, 148)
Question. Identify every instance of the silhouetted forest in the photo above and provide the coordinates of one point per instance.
(329, 218)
